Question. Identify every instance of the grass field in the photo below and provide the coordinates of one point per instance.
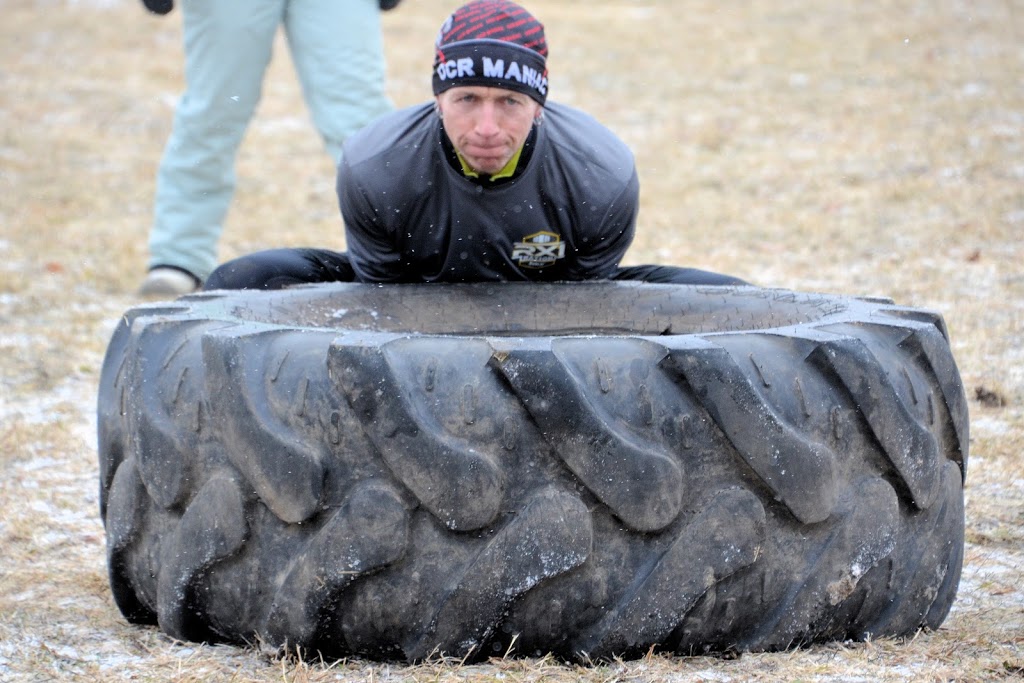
(871, 148)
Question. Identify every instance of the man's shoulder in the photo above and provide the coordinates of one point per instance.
(578, 133)
(577, 122)
(393, 133)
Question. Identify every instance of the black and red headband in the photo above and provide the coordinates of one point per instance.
(493, 43)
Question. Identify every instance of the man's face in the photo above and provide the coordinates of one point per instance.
(487, 125)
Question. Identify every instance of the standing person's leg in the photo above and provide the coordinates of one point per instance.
(338, 52)
(228, 44)
(675, 275)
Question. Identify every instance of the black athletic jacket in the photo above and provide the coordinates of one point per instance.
(569, 213)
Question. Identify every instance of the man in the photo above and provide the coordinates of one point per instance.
(490, 182)
(338, 51)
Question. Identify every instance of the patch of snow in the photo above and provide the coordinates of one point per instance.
(989, 426)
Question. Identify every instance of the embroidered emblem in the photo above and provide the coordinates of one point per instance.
(539, 250)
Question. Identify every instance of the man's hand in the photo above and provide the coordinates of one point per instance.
(164, 6)
(385, 5)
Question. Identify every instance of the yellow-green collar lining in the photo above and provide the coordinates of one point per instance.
(506, 172)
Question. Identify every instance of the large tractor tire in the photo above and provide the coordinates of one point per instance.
(590, 469)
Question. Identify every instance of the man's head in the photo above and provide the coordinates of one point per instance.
(490, 79)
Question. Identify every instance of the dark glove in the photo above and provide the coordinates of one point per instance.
(385, 5)
(162, 6)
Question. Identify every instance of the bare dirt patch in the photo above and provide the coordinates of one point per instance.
(858, 148)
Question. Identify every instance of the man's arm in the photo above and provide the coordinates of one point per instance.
(598, 257)
(372, 251)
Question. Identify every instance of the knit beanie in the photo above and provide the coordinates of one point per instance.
(493, 43)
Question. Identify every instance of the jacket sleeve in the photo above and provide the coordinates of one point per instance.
(372, 249)
(599, 251)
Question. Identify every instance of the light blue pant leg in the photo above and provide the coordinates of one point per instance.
(338, 51)
(228, 44)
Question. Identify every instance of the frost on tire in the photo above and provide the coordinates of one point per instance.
(591, 469)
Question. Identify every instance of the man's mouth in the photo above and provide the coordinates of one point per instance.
(486, 152)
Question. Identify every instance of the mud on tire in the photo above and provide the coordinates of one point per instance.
(586, 469)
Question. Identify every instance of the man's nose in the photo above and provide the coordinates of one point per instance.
(487, 121)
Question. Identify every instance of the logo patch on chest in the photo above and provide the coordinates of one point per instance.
(538, 250)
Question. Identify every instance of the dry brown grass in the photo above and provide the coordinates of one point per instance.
(861, 148)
